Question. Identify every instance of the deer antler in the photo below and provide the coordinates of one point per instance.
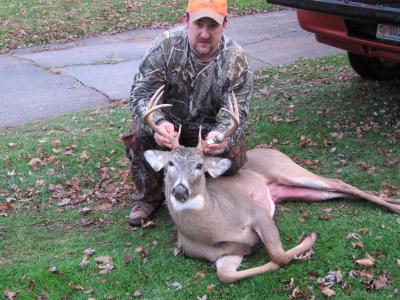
(233, 111)
(148, 117)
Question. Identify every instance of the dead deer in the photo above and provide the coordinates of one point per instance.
(221, 219)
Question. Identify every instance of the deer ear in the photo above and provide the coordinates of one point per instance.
(156, 159)
(216, 166)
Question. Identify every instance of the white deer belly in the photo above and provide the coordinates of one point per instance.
(196, 202)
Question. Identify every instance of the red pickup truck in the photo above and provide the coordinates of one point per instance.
(369, 31)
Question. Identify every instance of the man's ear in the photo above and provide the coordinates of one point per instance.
(216, 166)
(185, 19)
(156, 159)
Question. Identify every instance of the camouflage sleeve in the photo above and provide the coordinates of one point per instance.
(150, 76)
(242, 86)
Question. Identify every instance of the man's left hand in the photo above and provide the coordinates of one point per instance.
(216, 148)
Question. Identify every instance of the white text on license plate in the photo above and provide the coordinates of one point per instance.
(388, 32)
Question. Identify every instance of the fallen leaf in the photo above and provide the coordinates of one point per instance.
(305, 256)
(211, 288)
(128, 259)
(366, 276)
(368, 261)
(201, 274)
(326, 217)
(64, 202)
(175, 285)
(136, 293)
(381, 282)
(76, 286)
(363, 230)
(32, 284)
(9, 294)
(84, 263)
(83, 157)
(52, 269)
(143, 251)
(85, 210)
(104, 259)
(328, 292)
(357, 245)
(56, 143)
(36, 163)
(105, 268)
(89, 252)
(353, 236)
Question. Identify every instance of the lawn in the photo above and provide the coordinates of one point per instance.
(24, 23)
(64, 189)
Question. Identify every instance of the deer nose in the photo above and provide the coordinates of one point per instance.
(180, 192)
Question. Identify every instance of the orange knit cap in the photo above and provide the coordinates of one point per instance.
(214, 9)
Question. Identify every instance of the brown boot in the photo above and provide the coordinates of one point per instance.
(141, 211)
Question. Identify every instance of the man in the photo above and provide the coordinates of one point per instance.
(199, 67)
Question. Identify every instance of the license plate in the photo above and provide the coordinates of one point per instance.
(388, 32)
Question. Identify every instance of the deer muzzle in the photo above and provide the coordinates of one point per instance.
(180, 192)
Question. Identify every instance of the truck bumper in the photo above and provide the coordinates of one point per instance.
(333, 30)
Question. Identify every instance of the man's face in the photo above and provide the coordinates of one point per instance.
(204, 37)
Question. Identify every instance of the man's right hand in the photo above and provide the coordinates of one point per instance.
(163, 141)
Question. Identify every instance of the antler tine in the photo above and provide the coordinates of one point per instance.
(148, 117)
(202, 144)
(234, 113)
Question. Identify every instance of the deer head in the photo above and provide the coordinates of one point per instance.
(185, 167)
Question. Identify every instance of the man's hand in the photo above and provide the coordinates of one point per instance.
(216, 148)
(168, 128)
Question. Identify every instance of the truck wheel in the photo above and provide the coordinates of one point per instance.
(374, 68)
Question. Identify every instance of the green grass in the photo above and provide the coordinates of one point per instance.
(24, 23)
(318, 112)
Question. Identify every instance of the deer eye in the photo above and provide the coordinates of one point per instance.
(170, 164)
(199, 166)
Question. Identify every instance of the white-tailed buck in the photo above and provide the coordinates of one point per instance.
(221, 219)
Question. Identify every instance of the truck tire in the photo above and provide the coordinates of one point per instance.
(373, 68)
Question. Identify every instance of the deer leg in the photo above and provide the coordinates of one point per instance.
(227, 269)
(318, 188)
(268, 233)
(227, 265)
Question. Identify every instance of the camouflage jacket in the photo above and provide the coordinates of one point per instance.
(196, 90)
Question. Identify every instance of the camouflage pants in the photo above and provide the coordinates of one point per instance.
(149, 183)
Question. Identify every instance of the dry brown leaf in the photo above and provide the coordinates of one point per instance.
(305, 256)
(84, 263)
(143, 251)
(128, 259)
(363, 230)
(136, 293)
(85, 210)
(327, 291)
(366, 276)
(83, 157)
(326, 217)
(357, 245)
(36, 163)
(10, 295)
(105, 268)
(56, 143)
(89, 252)
(367, 261)
(211, 287)
(104, 259)
(201, 274)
